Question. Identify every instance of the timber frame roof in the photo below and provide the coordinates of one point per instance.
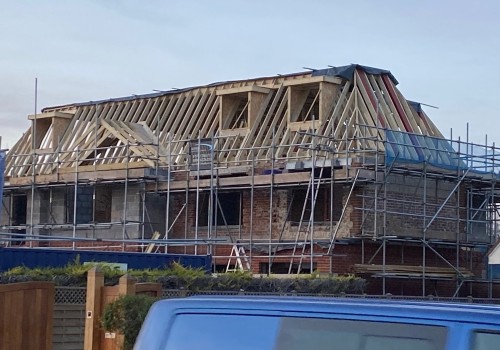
(256, 119)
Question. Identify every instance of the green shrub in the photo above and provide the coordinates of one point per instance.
(232, 281)
(126, 315)
(177, 276)
(73, 274)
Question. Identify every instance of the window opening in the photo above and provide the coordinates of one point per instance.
(19, 211)
(321, 206)
(235, 111)
(225, 210)
(310, 109)
(84, 204)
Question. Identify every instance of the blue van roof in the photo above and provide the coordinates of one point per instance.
(461, 312)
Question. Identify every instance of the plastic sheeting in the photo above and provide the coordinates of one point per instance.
(347, 72)
(412, 148)
(405, 147)
(416, 105)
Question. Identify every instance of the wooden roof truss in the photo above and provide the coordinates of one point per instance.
(252, 120)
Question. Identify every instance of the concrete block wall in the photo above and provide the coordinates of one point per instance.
(51, 207)
(400, 189)
(133, 212)
(5, 219)
(36, 202)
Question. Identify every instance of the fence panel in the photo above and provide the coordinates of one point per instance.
(26, 315)
(69, 327)
(69, 318)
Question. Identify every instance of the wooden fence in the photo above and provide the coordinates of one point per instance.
(26, 315)
(98, 296)
(69, 326)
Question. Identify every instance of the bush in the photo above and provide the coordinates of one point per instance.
(126, 315)
(73, 274)
(232, 281)
(178, 277)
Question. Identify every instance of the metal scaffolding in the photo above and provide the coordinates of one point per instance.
(286, 193)
(326, 162)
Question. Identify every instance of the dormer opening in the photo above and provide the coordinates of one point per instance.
(235, 111)
(309, 101)
(310, 108)
(240, 108)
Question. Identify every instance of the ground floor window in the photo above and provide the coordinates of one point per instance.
(18, 217)
(284, 268)
(92, 204)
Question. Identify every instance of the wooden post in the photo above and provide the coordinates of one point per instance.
(95, 282)
(126, 285)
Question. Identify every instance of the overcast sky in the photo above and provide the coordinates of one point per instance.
(443, 52)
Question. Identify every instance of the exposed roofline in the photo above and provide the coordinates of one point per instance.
(344, 72)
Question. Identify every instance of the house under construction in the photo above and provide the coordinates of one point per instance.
(326, 170)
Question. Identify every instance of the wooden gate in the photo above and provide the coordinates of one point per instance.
(109, 340)
(113, 341)
(98, 296)
(26, 315)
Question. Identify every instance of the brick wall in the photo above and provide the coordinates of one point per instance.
(281, 224)
(402, 204)
(346, 255)
(401, 207)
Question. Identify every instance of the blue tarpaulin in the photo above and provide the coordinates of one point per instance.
(347, 72)
(446, 154)
(412, 148)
